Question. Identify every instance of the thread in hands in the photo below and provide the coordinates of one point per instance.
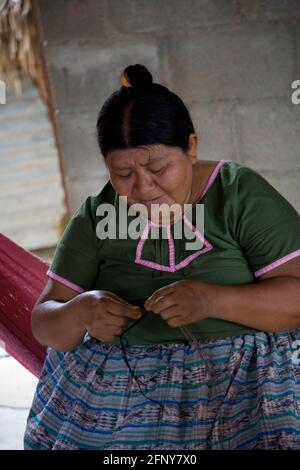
(125, 344)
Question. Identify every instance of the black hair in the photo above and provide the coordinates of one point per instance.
(142, 113)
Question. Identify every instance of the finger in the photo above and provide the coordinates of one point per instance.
(108, 294)
(171, 312)
(163, 303)
(103, 330)
(115, 304)
(118, 300)
(177, 322)
(122, 310)
(162, 292)
(106, 331)
(112, 294)
(114, 320)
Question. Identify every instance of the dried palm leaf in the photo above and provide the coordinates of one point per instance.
(19, 49)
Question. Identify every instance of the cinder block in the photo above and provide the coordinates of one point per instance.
(215, 126)
(77, 138)
(65, 21)
(246, 61)
(79, 188)
(144, 16)
(269, 9)
(84, 77)
(234, 61)
(269, 134)
(297, 33)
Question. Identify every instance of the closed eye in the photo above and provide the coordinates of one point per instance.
(158, 171)
(153, 171)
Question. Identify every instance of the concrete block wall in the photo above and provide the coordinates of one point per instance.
(232, 62)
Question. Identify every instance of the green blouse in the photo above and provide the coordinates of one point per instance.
(249, 229)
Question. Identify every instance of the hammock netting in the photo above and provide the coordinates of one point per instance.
(22, 279)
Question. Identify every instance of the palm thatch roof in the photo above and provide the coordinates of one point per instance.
(19, 45)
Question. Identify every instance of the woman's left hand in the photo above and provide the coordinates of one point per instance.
(183, 302)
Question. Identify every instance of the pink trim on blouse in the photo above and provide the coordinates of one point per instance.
(277, 263)
(172, 266)
(213, 177)
(64, 281)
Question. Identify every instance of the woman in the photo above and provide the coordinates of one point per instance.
(152, 343)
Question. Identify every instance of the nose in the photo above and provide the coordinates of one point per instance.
(143, 185)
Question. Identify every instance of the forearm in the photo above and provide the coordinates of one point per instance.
(57, 324)
(270, 305)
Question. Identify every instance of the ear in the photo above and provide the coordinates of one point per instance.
(193, 145)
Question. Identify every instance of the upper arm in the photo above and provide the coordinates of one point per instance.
(75, 261)
(290, 269)
(267, 228)
(55, 290)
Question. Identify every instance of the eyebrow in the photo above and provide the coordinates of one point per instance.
(146, 164)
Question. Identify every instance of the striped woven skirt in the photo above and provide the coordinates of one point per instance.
(241, 392)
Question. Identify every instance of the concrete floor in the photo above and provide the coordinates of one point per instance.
(17, 387)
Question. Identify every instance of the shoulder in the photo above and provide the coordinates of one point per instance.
(232, 171)
(243, 180)
(89, 206)
(245, 189)
(251, 193)
(229, 171)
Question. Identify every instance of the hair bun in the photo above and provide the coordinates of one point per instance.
(136, 76)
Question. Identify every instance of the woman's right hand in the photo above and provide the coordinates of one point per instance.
(104, 314)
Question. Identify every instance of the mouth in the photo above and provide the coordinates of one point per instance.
(148, 202)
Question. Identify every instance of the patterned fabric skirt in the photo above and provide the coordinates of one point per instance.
(241, 392)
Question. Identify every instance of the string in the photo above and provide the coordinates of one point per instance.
(125, 344)
(192, 339)
(123, 340)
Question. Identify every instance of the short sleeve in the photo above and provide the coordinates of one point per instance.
(267, 225)
(75, 260)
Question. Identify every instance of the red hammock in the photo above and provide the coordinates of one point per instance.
(22, 279)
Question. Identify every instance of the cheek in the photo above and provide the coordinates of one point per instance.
(122, 187)
(173, 180)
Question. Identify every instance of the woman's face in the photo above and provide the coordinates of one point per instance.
(154, 174)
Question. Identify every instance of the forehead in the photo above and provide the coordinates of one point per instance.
(143, 155)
